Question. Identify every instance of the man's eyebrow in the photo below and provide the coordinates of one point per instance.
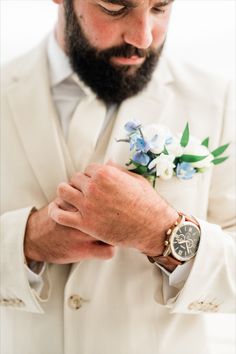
(163, 2)
(134, 3)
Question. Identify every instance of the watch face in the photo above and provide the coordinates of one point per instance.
(184, 241)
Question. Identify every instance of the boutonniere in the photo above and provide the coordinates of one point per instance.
(156, 153)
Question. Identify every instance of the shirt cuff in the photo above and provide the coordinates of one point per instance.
(35, 279)
(178, 277)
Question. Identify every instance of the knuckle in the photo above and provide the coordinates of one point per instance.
(99, 173)
(78, 174)
(60, 218)
(93, 165)
(74, 179)
(61, 188)
(105, 173)
(92, 188)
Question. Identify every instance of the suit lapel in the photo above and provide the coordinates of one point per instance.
(36, 120)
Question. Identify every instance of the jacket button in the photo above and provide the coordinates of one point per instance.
(75, 302)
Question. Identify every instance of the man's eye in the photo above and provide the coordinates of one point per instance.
(159, 10)
(112, 9)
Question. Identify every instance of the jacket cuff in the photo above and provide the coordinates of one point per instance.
(16, 291)
(210, 286)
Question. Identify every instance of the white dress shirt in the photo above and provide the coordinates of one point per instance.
(67, 91)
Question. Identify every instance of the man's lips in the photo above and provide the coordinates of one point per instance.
(134, 60)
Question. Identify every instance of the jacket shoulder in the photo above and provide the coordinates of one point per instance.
(20, 66)
(197, 81)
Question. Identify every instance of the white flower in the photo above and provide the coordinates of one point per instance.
(156, 135)
(205, 163)
(195, 148)
(174, 148)
(164, 166)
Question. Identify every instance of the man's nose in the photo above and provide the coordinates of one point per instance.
(139, 32)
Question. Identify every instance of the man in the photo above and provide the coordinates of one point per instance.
(64, 105)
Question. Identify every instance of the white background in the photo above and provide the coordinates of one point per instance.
(201, 31)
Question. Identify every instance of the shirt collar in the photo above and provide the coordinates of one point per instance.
(59, 64)
(60, 68)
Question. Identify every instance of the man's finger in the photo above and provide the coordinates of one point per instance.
(92, 169)
(80, 182)
(70, 195)
(64, 205)
(62, 217)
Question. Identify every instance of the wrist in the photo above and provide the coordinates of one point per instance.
(34, 228)
(165, 220)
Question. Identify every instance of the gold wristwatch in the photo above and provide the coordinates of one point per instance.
(181, 244)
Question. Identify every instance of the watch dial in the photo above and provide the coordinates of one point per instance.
(185, 241)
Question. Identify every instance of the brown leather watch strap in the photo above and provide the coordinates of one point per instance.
(189, 218)
(167, 262)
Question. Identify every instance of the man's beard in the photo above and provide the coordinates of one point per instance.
(111, 83)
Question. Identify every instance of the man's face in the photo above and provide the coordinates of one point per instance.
(114, 45)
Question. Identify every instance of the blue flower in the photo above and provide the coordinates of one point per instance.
(185, 170)
(132, 126)
(133, 139)
(141, 158)
(142, 145)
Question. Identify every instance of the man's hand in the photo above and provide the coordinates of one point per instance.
(117, 207)
(47, 241)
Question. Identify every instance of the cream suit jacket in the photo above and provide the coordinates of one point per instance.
(120, 306)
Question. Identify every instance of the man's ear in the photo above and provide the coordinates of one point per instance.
(58, 2)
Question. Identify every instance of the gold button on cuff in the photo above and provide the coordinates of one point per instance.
(12, 302)
(203, 306)
(19, 303)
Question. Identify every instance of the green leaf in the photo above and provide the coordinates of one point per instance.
(185, 137)
(217, 152)
(219, 160)
(191, 158)
(165, 152)
(141, 170)
(201, 170)
(205, 142)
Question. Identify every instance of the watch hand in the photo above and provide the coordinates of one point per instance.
(183, 241)
(187, 243)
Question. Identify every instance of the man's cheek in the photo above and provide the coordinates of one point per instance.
(159, 35)
(101, 35)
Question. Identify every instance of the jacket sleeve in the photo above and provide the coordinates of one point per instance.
(16, 291)
(210, 286)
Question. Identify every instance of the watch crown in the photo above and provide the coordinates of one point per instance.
(166, 243)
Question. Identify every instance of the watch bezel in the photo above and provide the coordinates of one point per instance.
(172, 237)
